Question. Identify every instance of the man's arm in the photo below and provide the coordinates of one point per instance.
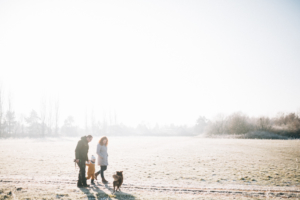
(77, 150)
(86, 155)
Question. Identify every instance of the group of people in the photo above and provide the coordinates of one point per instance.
(81, 158)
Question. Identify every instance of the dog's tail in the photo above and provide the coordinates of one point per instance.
(116, 177)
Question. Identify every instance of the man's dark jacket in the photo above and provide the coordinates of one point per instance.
(82, 148)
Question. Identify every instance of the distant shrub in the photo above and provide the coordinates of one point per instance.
(238, 123)
(288, 125)
(234, 124)
(263, 135)
(263, 124)
(281, 127)
(201, 124)
(217, 126)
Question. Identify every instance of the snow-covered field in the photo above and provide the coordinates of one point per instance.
(154, 168)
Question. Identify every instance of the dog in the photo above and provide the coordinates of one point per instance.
(118, 180)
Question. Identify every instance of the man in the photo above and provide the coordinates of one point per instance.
(81, 156)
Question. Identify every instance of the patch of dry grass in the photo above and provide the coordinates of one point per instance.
(151, 161)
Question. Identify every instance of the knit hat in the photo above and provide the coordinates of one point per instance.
(93, 157)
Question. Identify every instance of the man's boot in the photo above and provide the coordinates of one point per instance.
(92, 182)
(96, 174)
(84, 183)
(79, 182)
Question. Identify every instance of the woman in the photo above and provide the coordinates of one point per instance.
(102, 158)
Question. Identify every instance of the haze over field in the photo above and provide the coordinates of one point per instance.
(221, 76)
(154, 61)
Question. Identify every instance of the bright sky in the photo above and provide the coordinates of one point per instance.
(158, 61)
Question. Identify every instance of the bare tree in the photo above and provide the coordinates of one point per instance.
(1, 110)
(10, 117)
(217, 126)
(110, 117)
(263, 124)
(104, 124)
(21, 121)
(201, 124)
(94, 124)
(50, 117)
(86, 122)
(115, 117)
(34, 126)
(56, 116)
(69, 128)
(43, 113)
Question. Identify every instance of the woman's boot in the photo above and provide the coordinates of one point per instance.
(92, 182)
(104, 181)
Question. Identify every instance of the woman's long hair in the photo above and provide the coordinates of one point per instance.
(101, 141)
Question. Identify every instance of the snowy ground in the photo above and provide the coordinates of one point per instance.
(154, 168)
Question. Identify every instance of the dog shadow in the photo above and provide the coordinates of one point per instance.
(95, 192)
(120, 194)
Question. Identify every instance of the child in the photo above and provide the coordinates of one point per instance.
(91, 169)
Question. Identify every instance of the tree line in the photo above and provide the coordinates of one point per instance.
(46, 123)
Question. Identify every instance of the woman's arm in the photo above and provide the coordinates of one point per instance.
(99, 151)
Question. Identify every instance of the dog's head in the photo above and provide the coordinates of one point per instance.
(120, 173)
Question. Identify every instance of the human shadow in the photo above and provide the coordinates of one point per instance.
(95, 192)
